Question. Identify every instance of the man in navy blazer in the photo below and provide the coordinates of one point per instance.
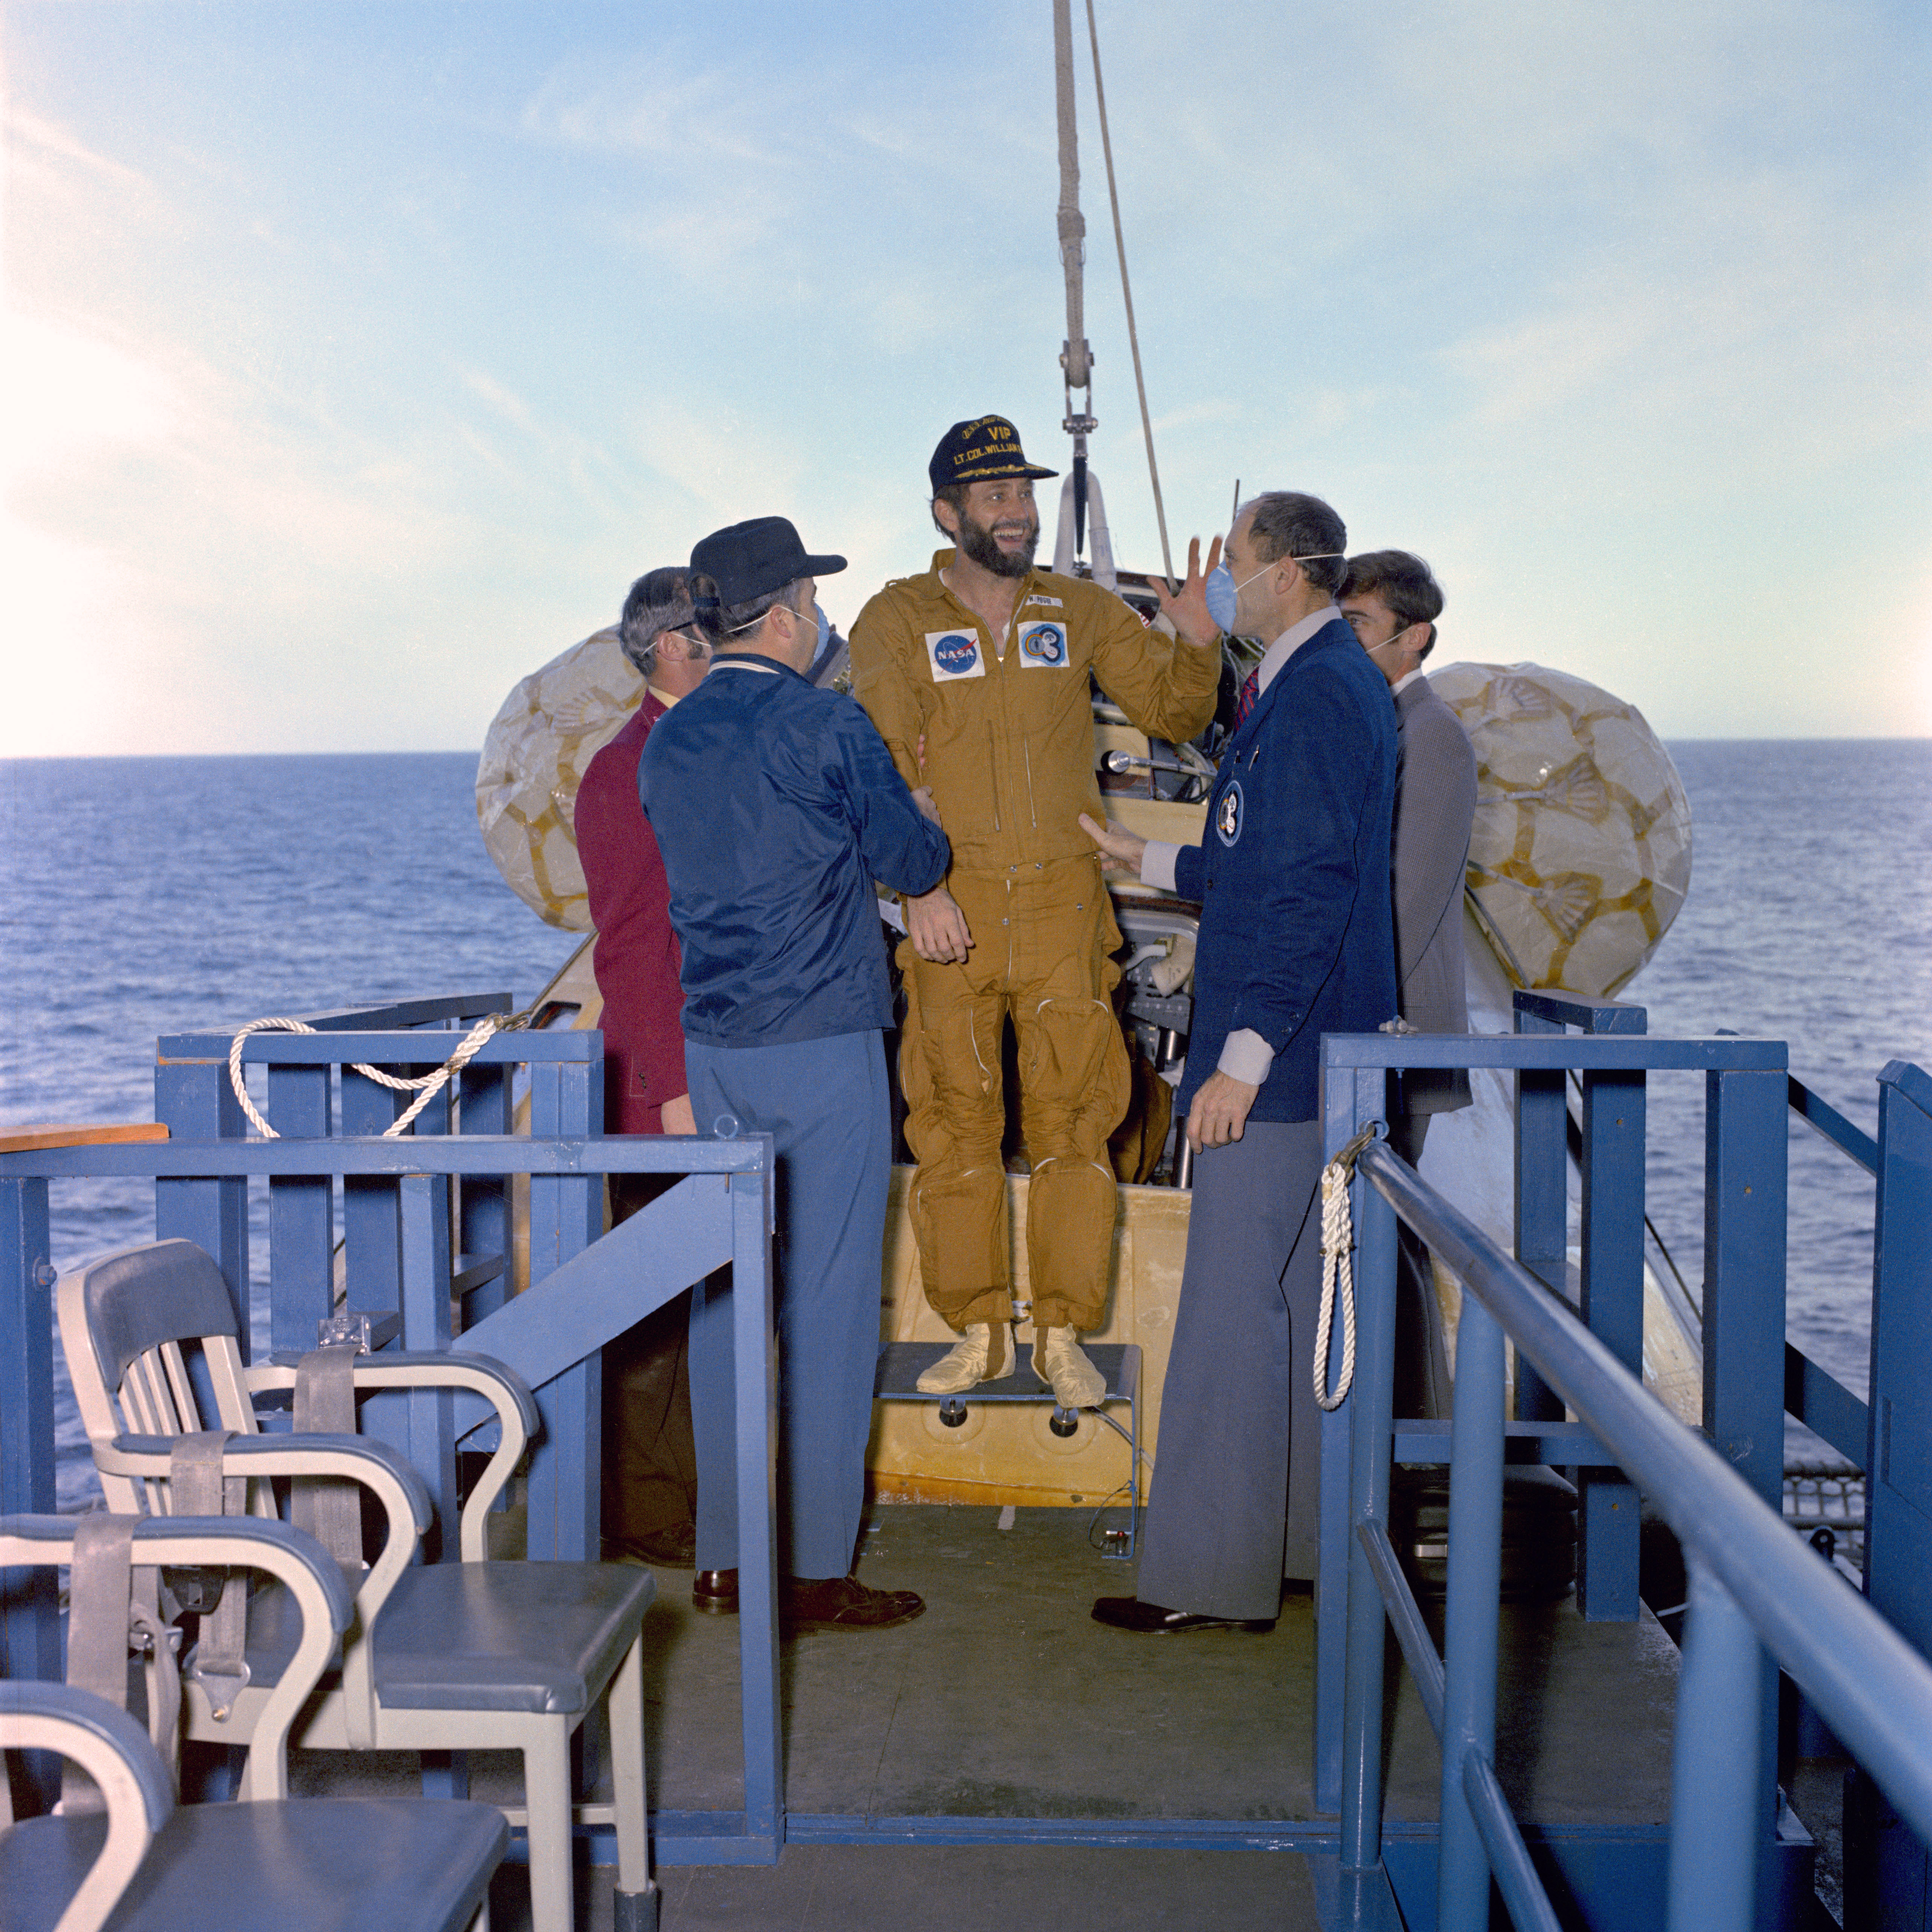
(1296, 940)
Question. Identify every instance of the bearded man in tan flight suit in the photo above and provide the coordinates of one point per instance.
(977, 676)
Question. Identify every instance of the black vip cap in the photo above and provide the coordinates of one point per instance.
(752, 560)
(976, 451)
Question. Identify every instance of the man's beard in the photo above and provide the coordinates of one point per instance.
(978, 542)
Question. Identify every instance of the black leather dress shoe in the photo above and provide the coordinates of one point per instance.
(1129, 1613)
(843, 1604)
(716, 1592)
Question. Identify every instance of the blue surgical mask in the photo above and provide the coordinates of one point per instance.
(1221, 591)
(824, 633)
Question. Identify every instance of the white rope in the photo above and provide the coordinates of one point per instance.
(425, 1086)
(1338, 1272)
(1127, 296)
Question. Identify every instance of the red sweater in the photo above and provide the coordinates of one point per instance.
(636, 955)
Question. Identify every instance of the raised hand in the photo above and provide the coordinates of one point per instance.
(1186, 609)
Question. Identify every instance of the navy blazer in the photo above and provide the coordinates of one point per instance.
(1297, 934)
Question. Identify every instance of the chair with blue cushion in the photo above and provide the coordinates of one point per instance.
(123, 1852)
(449, 1657)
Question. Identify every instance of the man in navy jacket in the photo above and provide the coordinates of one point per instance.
(1296, 940)
(775, 805)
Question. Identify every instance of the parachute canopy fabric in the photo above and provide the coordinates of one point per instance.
(1580, 855)
(534, 755)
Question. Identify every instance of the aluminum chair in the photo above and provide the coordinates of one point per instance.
(269, 1865)
(450, 1657)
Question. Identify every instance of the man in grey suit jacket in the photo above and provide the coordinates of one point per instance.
(1391, 601)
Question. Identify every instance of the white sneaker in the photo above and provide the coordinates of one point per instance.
(1059, 1360)
(980, 1355)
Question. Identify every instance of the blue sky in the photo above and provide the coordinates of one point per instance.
(357, 357)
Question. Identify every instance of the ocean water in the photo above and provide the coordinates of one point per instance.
(1809, 919)
(144, 896)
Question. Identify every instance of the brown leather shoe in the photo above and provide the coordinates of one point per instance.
(675, 1548)
(716, 1592)
(843, 1604)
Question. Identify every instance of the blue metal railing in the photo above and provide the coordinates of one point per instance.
(399, 1248)
(1755, 1588)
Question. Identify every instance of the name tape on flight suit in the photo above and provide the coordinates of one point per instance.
(954, 655)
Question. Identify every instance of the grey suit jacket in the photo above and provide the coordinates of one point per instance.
(1435, 800)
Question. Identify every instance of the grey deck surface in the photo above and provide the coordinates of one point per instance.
(1006, 1699)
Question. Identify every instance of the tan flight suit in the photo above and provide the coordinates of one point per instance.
(1009, 753)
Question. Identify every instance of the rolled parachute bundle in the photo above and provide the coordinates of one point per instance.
(1580, 855)
(534, 754)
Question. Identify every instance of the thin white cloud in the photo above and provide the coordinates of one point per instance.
(32, 140)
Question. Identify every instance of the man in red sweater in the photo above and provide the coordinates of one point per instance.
(650, 1473)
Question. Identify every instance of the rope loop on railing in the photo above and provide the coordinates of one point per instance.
(1338, 1270)
(425, 1086)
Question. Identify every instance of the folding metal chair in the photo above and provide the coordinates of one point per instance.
(121, 1848)
(451, 1656)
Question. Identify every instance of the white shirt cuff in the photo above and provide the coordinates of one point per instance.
(1245, 1056)
(1157, 864)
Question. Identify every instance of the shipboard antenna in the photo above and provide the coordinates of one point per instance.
(1076, 356)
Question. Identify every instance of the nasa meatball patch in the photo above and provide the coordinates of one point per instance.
(1228, 814)
(1043, 647)
(954, 654)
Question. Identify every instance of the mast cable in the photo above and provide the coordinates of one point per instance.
(1127, 294)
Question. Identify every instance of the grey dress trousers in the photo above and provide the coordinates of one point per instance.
(1236, 1499)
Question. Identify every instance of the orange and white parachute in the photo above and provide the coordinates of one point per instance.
(1580, 855)
(535, 754)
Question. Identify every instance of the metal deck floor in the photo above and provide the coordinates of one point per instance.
(1007, 1700)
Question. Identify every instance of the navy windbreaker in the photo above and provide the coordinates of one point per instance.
(775, 805)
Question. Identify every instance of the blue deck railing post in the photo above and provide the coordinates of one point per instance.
(372, 1226)
(30, 1642)
(1470, 1644)
(483, 1212)
(1898, 1465)
(1351, 1098)
(1368, 1408)
(566, 1216)
(1612, 1306)
(1718, 1782)
(1542, 1198)
(430, 1440)
(1609, 1295)
(1611, 1292)
(755, 1396)
(302, 1212)
(1746, 1161)
(194, 1101)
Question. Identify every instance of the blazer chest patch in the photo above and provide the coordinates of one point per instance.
(1227, 813)
(1043, 647)
(954, 655)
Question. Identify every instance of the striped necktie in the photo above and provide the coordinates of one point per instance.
(1250, 690)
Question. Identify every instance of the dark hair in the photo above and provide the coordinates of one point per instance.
(1287, 524)
(1403, 582)
(722, 623)
(954, 494)
(660, 601)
